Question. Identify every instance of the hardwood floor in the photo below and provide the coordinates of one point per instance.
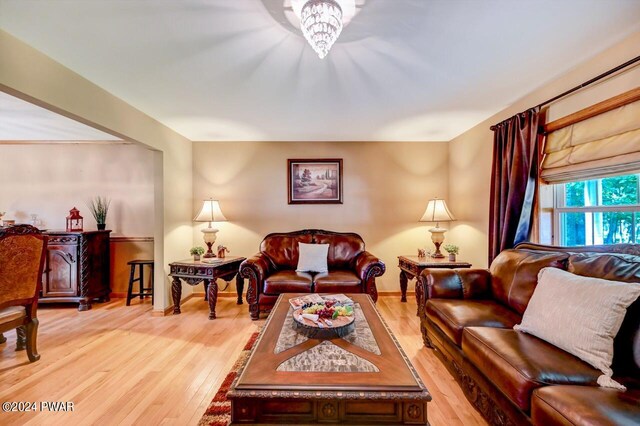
(120, 365)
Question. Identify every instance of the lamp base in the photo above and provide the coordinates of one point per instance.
(209, 254)
(437, 236)
(209, 236)
(437, 254)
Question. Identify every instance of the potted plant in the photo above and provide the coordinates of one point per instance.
(452, 249)
(196, 252)
(99, 207)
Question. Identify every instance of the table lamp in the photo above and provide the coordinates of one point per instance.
(437, 211)
(210, 212)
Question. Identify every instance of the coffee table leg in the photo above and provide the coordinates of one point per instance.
(213, 298)
(403, 286)
(176, 292)
(239, 288)
(206, 290)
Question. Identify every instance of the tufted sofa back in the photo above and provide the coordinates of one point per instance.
(282, 248)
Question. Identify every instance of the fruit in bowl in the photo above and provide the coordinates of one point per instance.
(328, 310)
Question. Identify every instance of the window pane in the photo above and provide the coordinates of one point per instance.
(574, 194)
(637, 222)
(617, 227)
(573, 229)
(620, 190)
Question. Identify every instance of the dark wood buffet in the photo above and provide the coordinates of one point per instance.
(76, 268)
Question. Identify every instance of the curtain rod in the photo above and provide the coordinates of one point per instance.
(583, 85)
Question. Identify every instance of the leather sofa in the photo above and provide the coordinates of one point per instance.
(272, 271)
(467, 317)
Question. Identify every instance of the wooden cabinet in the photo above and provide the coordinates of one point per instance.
(76, 268)
(61, 272)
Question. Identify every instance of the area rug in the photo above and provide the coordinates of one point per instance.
(219, 411)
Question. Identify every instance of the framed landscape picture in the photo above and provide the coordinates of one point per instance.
(315, 181)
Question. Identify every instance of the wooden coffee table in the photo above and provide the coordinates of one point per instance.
(362, 378)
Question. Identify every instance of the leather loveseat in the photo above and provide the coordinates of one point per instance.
(467, 317)
(272, 271)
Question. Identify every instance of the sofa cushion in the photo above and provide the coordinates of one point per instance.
(343, 248)
(590, 311)
(288, 281)
(584, 405)
(452, 315)
(337, 282)
(517, 363)
(515, 274)
(282, 249)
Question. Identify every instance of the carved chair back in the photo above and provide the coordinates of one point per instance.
(22, 254)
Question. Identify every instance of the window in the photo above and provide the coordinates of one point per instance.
(598, 211)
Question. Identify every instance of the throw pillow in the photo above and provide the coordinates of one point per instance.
(580, 315)
(312, 257)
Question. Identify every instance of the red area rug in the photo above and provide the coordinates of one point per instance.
(219, 411)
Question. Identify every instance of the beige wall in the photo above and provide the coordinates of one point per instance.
(48, 179)
(386, 189)
(470, 153)
(33, 76)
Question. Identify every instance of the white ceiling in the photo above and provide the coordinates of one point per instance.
(22, 121)
(410, 70)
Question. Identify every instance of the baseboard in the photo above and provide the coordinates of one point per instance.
(168, 310)
(235, 295)
(395, 293)
(163, 312)
(220, 294)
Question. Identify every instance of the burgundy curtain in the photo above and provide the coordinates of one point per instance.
(514, 176)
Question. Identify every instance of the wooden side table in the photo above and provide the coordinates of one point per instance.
(412, 266)
(193, 272)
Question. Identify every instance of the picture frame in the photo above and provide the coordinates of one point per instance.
(314, 181)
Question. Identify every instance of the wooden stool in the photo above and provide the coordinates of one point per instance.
(144, 291)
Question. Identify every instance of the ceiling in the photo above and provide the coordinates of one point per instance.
(402, 70)
(23, 121)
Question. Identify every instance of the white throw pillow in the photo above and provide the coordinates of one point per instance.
(580, 315)
(312, 257)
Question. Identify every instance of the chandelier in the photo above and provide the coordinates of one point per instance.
(321, 24)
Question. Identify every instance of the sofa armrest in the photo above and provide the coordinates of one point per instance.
(456, 283)
(368, 267)
(255, 269)
(451, 284)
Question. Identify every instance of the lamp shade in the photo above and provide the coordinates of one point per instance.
(437, 211)
(210, 212)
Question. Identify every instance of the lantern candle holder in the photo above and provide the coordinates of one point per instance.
(74, 221)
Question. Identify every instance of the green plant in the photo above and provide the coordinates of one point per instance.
(196, 251)
(451, 248)
(99, 207)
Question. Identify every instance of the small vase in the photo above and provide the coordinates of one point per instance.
(452, 257)
(102, 226)
(196, 257)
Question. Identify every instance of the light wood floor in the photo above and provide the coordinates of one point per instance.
(120, 365)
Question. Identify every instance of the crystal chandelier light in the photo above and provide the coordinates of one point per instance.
(321, 24)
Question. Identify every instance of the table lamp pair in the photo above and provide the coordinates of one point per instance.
(436, 211)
